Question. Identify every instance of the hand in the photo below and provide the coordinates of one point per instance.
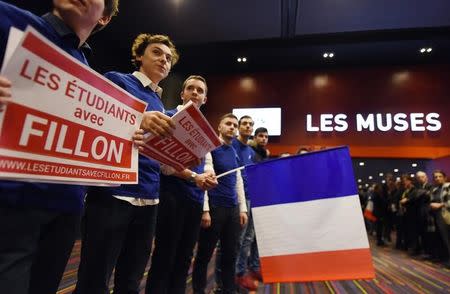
(243, 218)
(206, 181)
(138, 139)
(436, 206)
(5, 92)
(403, 201)
(206, 220)
(157, 123)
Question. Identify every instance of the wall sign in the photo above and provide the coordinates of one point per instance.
(374, 122)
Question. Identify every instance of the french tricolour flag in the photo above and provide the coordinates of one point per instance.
(308, 219)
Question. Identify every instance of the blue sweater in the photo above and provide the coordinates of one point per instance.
(180, 187)
(148, 186)
(66, 198)
(246, 156)
(224, 159)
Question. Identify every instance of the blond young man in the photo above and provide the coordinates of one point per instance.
(119, 223)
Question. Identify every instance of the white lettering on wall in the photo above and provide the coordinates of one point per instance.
(383, 122)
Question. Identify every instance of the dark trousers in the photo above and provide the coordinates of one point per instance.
(35, 245)
(177, 229)
(225, 226)
(114, 234)
(444, 232)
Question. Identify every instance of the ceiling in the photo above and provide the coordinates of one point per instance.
(277, 35)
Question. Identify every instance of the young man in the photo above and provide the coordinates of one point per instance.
(180, 212)
(440, 200)
(41, 221)
(260, 140)
(248, 254)
(119, 222)
(246, 156)
(224, 211)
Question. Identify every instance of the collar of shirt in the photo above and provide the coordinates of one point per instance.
(146, 82)
(66, 33)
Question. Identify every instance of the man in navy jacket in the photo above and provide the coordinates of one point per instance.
(180, 211)
(41, 221)
(119, 223)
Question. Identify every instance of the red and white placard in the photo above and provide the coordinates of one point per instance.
(66, 123)
(192, 139)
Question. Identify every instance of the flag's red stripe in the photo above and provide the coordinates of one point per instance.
(318, 266)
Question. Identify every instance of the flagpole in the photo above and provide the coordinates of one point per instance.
(230, 171)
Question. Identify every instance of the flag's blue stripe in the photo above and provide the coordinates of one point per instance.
(310, 176)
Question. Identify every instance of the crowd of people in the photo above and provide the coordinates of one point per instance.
(412, 213)
(176, 209)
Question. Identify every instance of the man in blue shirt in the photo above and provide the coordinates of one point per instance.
(41, 221)
(224, 211)
(180, 212)
(119, 223)
(246, 156)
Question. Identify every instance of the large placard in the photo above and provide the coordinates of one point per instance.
(66, 123)
(192, 139)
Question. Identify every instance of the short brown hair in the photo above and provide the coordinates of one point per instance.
(244, 117)
(141, 43)
(439, 171)
(111, 9)
(227, 115)
(195, 77)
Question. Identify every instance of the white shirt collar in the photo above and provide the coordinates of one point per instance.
(146, 82)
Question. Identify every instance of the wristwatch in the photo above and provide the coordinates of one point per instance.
(192, 177)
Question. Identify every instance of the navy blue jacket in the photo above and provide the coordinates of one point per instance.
(68, 198)
(224, 159)
(148, 185)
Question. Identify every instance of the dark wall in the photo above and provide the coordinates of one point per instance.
(423, 89)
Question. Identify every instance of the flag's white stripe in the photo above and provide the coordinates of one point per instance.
(312, 226)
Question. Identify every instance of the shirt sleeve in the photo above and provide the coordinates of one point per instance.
(208, 167)
(240, 192)
(206, 202)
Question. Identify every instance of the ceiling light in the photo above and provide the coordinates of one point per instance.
(414, 165)
(331, 55)
(422, 50)
(325, 55)
(413, 175)
(360, 187)
(397, 179)
(370, 177)
(359, 180)
(244, 59)
(381, 174)
(429, 50)
(361, 163)
(383, 182)
(239, 59)
(367, 185)
(395, 170)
